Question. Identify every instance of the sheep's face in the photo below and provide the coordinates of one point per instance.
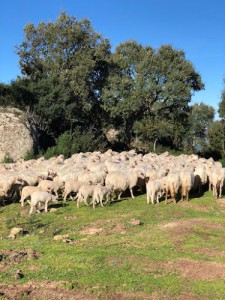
(141, 175)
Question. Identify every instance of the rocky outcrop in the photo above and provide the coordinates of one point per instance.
(15, 133)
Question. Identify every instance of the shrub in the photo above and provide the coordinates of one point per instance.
(7, 159)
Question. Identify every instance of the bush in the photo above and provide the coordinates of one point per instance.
(29, 155)
(68, 144)
(7, 159)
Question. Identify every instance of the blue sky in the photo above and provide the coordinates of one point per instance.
(196, 26)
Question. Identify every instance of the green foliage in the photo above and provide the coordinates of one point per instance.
(222, 104)
(147, 86)
(66, 65)
(216, 137)
(29, 155)
(7, 159)
(74, 87)
(70, 143)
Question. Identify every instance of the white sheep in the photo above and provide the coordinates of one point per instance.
(186, 182)
(26, 193)
(172, 185)
(51, 186)
(218, 178)
(200, 177)
(71, 186)
(155, 189)
(122, 180)
(101, 192)
(85, 191)
(39, 197)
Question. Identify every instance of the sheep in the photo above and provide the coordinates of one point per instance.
(85, 191)
(200, 177)
(122, 180)
(186, 182)
(155, 189)
(119, 181)
(101, 192)
(71, 186)
(94, 177)
(7, 182)
(172, 185)
(51, 186)
(27, 191)
(218, 177)
(41, 197)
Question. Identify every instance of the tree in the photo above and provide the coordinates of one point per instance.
(222, 104)
(216, 137)
(66, 65)
(153, 85)
(201, 118)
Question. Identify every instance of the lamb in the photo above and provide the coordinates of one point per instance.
(101, 192)
(26, 193)
(187, 182)
(172, 185)
(51, 186)
(41, 197)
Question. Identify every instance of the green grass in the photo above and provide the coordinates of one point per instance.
(118, 260)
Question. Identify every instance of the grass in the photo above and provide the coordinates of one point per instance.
(120, 259)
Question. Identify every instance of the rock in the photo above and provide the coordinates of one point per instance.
(18, 274)
(61, 237)
(14, 232)
(92, 231)
(135, 222)
(17, 136)
(53, 210)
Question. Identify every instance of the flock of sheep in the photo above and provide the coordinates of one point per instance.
(102, 176)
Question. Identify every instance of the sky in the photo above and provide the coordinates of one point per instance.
(195, 26)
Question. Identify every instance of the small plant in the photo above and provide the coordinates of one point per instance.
(29, 155)
(7, 159)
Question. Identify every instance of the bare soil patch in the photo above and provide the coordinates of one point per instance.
(181, 228)
(52, 291)
(191, 269)
(106, 227)
(16, 256)
(41, 290)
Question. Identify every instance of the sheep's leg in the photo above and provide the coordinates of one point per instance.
(85, 201)
(153, 198)
(46, 206)
(22, 202)
(157, 198)
(166, 196)
(148, 196)
(101, 199)
(31, 210)
(131, 192)
(93, 203)
(119, 196)
(220, 195)
(65, 196)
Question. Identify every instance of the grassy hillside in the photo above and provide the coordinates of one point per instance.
(174, 252)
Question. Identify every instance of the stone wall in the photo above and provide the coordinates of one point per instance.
(15, 133)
